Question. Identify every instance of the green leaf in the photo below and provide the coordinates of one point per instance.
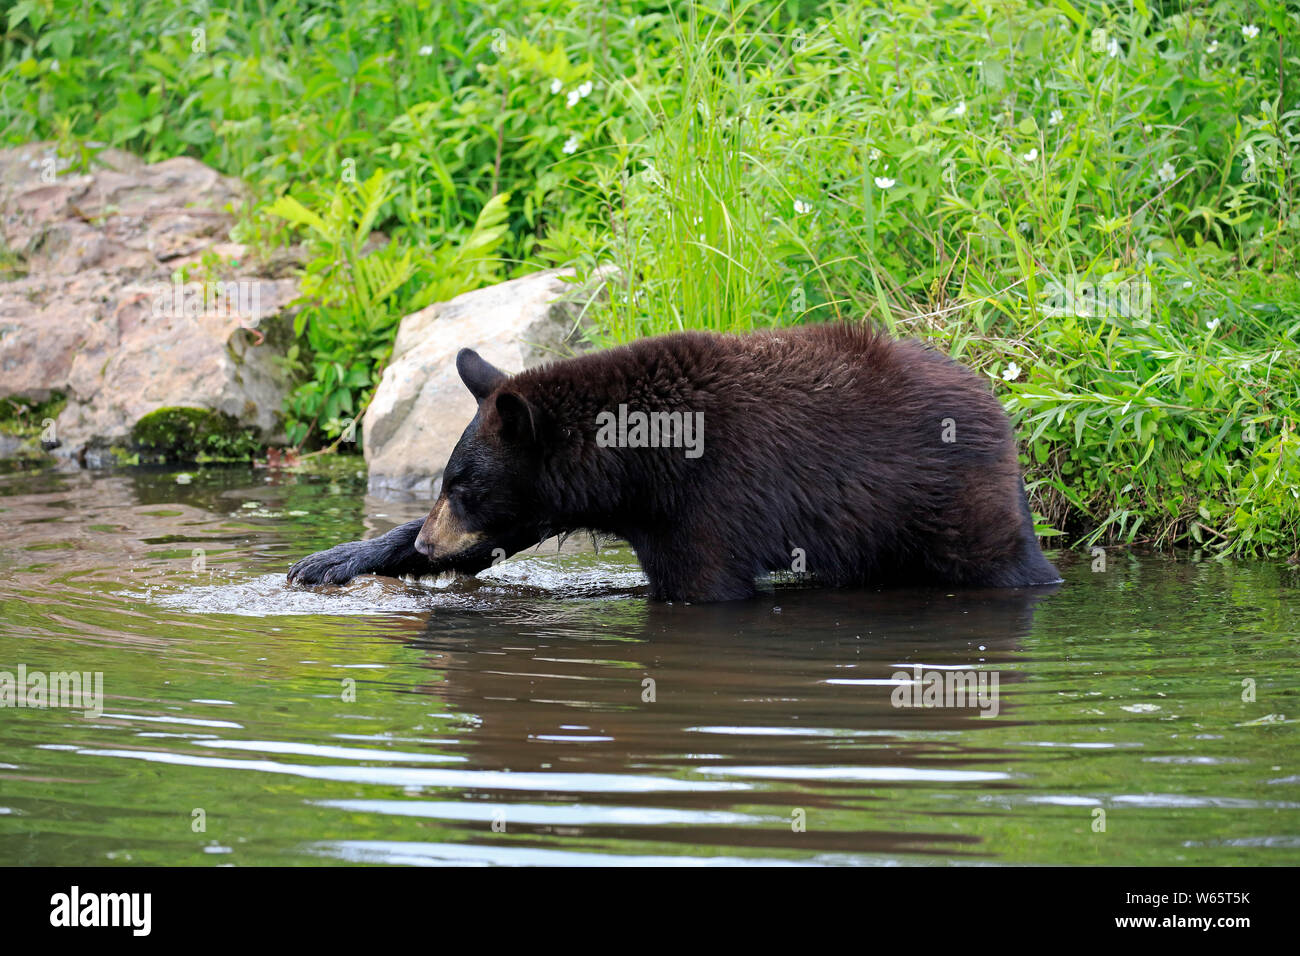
(288, 208)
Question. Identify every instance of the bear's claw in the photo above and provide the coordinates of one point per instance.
(336, 565)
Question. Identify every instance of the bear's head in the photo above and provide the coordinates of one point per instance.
(488, 508)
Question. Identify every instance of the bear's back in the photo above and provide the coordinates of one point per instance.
(793, 392)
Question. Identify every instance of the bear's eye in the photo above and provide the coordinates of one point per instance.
(462, 501)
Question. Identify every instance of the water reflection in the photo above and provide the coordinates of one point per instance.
(797, 679)
(547, 713)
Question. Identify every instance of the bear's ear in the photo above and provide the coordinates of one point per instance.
(480, 377)
(518, 418)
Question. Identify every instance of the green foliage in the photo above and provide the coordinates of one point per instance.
(25, 417)
(23, 429)
(945, 169)
(1093, 205)
(353, 295)
(1168, 430)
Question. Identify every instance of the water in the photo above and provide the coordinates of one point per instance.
(548, 713)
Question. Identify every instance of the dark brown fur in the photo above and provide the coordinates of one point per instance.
(822, 440)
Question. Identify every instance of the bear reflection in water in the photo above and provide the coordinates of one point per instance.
(797, 676)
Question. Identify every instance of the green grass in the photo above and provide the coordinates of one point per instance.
(965, 179)
(965, 173)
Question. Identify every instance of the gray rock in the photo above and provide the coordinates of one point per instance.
(90, 308)
(421, 407)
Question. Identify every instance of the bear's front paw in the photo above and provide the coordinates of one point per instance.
(338, 565)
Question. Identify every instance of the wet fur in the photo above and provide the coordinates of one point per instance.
(823, 438)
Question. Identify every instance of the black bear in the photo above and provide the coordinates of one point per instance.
(831, 449)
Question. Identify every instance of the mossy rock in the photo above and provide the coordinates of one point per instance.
(192, 434)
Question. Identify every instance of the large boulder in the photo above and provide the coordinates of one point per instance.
(92, 306)
(421, 407)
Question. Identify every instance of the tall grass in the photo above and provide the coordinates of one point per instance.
(1092, 205)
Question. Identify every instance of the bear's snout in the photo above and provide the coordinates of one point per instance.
(442, 536)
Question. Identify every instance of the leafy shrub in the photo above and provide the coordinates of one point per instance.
(353, 296)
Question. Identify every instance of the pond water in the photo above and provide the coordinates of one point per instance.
(1144, 713)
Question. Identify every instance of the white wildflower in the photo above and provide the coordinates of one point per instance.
(1055, 118)
(1030, 156)
(1011, 372)
(801, 207)
(959, 109)
(1166, 173)
(884, 182)
(1250, 31)
(426, 51)
(556, 86)
(570, 145)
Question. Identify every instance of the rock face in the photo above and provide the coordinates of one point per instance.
(421, 407)
(92, 306)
